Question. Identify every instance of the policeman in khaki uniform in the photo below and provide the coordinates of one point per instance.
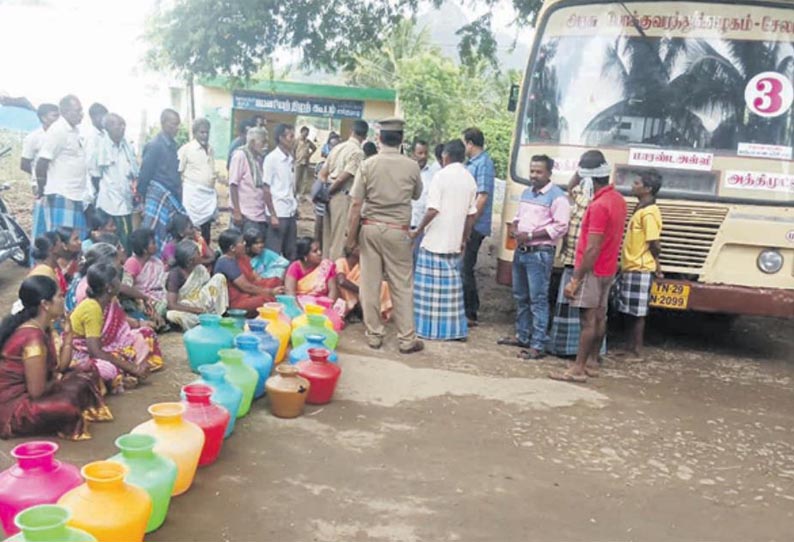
(340, 171)
(382, 192)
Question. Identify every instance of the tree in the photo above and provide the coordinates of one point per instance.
(207, 38)
(439, 98)
(379, 65)
(429, 92)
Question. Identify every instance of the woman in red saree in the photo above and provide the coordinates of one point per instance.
(243, 294)
(39, 395)
(255, 245)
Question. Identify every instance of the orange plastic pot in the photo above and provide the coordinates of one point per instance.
(106, 506)
(276, 327)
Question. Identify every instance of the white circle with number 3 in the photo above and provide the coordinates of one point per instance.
(769, 94)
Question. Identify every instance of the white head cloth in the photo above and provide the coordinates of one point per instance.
(586, 176)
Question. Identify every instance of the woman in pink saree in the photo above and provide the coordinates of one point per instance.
(123, 350)
(146, 269)
(310, 274)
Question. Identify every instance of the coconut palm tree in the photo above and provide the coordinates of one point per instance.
(643, 69)
(715, 82)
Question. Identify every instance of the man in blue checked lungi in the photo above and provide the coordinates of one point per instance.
(61, 171)
(159, 181)
(451, 210)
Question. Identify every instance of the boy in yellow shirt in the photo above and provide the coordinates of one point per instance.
(640, 259)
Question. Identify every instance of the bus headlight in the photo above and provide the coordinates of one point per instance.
(770, 261)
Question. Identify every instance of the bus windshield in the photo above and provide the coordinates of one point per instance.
(663, 75)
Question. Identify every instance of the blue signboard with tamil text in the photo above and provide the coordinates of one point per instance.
(299, 105)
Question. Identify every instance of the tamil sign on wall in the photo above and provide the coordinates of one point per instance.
(299, 105)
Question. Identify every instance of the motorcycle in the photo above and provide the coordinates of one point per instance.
(14, 242)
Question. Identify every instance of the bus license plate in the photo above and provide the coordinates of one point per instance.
(669, 296)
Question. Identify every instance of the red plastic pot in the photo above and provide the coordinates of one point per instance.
(321, 374)
(210, 417)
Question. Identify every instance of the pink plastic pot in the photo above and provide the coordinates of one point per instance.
(37, 478)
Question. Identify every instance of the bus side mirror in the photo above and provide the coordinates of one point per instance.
(512, 101)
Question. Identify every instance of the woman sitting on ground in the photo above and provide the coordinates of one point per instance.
(348, 278)
(72, 250)
(146, 269)
(39, 395)
(136, 304)
(100, 223)
(310, 274)
(190, 289)
(46, 251)
(123, 350)
(179, 229)
(260, 265)
(243, 294)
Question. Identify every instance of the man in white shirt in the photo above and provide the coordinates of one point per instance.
(31, 145)
(197, 167)
(279, 175)
(113, 168)
(93, 135)
(447, 223)
(420, 153)
(61, 171)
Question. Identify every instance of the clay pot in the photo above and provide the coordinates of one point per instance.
(287, 391)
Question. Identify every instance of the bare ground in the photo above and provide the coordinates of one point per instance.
(466, 442)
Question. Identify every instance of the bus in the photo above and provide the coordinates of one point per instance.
(701, 92)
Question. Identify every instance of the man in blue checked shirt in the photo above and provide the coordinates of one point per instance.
(481, 167)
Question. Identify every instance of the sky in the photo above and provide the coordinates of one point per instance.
(91, 48)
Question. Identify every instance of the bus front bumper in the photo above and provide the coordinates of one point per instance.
(722, 298)
(714, 298)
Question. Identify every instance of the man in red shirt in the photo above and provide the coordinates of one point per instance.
(596, 265)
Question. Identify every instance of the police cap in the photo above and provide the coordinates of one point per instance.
(392, 124)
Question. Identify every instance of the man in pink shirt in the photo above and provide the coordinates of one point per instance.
(249, 193)
(541, 220)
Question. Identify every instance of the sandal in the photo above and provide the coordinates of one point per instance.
(512, 341)
(417, 346)
(567, 376)
(531, 354)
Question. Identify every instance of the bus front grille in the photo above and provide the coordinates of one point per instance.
(688, 233)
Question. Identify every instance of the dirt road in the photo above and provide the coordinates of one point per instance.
(465, 442)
